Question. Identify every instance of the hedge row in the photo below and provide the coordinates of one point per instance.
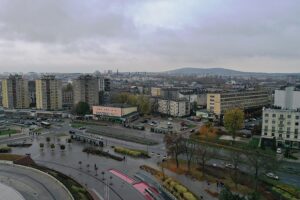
(99, 152)
(132, 152)
(173, 186)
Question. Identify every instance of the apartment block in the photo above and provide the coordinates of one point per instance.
(86, 89)
(15, 92)
(283, 125)
(219, 103)
(48, 93)
(175, 108)
(155, 91)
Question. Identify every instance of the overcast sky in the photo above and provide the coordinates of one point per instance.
(149, 35)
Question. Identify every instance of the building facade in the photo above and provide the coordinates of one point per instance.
(175, 108)
(283, 125)
(287, 99)
(86, 89)
(15, 92)
(48, 93)
(113, 110)
(219, 103)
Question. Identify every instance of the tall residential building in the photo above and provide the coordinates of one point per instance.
(15, 92)
(48, 93)
(283, 125)
(104, 90)
(175, 107)
(104, 84)
(287, 99)
(86, 89)
(67, 97)
(219, 103)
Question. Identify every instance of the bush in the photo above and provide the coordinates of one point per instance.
(99, 152)
(19, 145)
(131, 152)
(179, 188)
(189, 196)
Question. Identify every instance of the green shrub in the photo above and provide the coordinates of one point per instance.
(189, 196)
(131, 152)
(181, 189)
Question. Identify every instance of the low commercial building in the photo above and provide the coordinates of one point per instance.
(175, 107)
(116, 112)
(219, 103)
(283, 125)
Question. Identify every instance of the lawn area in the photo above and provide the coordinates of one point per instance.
(10, 157)
(77, 125)
(253, 143)
(8, 132)
(120, 136)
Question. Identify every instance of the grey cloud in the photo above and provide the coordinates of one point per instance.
(79, 33)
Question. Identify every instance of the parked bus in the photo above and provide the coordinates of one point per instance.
(45, 124)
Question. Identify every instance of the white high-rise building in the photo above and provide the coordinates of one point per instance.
(283, 125)
(287, 99)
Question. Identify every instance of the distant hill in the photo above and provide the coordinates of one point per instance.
(221, 72)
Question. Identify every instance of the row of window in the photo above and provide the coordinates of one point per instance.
(288, 129)
(280, 135)
(281, 122)
(282, 116)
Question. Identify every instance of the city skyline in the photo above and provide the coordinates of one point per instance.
(151, 36)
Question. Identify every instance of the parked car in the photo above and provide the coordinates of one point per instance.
(82, 128)
(229, 165)
(272, 175)
(279, 151)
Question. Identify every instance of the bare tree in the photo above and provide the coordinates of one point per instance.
(260, 162)
(174, 145)
(203, 155)
(189, 148)
(236, 158)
